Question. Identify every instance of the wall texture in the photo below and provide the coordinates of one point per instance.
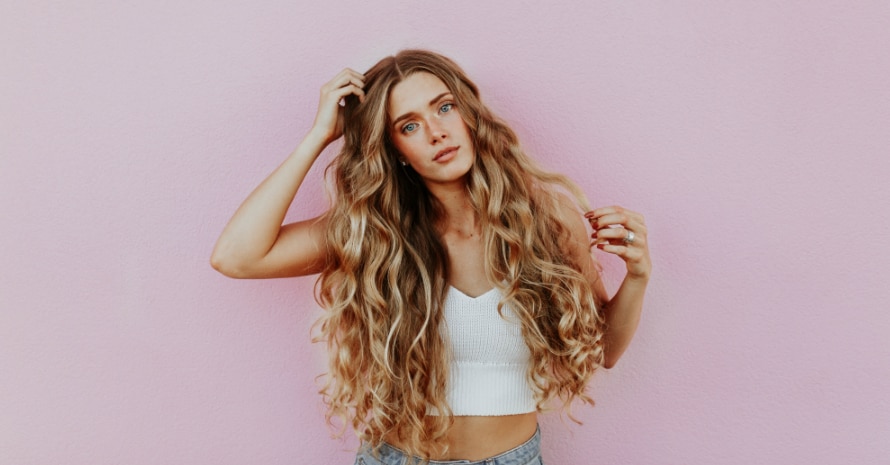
(753, 134)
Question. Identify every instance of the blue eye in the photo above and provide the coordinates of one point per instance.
(410, 127)
(446, 108)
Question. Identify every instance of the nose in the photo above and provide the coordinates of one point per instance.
(437, 131)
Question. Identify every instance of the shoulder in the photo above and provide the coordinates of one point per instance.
(565, 210)
(558, 213)
(575, 240)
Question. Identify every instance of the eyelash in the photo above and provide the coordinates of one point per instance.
(450, 106)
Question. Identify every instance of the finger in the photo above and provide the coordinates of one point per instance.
(336, 87)
(599, 212)
(342, 92)
(618, 236)
(356, 82)
(354, 77)
(619, 220)
(634, 245)
(629, 254)
(354, 73)
(620, 250)
(607, 233)
(610, 237)
(636, 261)
(344, 78)
(609, 219)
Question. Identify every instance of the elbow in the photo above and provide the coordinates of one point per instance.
(224, 266)
(610, 358)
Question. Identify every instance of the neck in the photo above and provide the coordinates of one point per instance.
(458, 217)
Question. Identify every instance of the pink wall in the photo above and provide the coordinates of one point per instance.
(754, 135)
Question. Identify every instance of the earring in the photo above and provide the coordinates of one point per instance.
(403, 162)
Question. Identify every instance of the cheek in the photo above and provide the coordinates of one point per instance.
(397, 142)
(462, 126)
(404, 146)
(400, 144)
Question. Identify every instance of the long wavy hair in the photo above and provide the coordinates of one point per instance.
(384, 280)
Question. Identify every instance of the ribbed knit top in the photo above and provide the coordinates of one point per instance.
(490, 359)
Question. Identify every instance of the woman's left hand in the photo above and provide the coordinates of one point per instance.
(622, 232)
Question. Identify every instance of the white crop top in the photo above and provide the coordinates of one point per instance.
(490, 359)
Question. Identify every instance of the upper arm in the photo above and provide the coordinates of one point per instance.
(299, 250)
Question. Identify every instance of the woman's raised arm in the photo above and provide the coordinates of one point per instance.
(254, 244)
(612, 227)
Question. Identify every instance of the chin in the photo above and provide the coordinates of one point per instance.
(465, 169)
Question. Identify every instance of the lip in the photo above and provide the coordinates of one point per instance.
(444, 152)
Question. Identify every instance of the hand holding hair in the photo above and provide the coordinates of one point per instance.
(328, 123)
(622, 232)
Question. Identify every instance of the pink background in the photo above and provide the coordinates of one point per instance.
(754, 135)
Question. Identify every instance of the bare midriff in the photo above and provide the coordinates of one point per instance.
(478, 438)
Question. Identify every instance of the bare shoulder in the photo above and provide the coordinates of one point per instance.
(569, 214)
(578, 244)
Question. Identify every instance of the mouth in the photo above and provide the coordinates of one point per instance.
(444, 152)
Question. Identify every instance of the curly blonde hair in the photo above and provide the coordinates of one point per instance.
(384, 280)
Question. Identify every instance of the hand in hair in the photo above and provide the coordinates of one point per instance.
(329, 119)
(254, 244)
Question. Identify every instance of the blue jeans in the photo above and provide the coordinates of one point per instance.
(528, 453)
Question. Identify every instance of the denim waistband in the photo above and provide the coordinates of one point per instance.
(522, 454)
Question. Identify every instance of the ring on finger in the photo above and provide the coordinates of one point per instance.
(630, 237)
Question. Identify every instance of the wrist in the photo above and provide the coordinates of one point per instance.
(313, 143)
(637, 278)
(316, 138)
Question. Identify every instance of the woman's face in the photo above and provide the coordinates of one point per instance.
(428, 131)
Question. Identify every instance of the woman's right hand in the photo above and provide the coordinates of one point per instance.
(329, 119)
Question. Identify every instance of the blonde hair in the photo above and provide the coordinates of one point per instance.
(384, 279)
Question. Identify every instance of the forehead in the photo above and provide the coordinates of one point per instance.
(414, 93)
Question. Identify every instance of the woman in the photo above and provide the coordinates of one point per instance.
(459, 288)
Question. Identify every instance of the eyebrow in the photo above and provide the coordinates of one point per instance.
(395, 122)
